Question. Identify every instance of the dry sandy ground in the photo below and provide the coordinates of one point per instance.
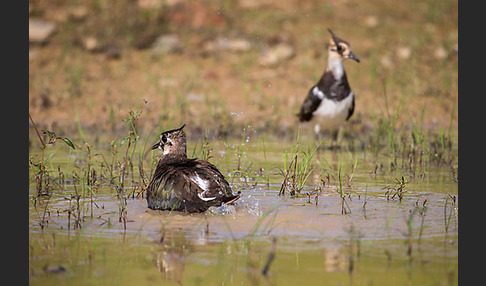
(408, 69)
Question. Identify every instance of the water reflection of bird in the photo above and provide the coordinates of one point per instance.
(170, 258)
(330, 102)
(183, 184)
(172, 264)
(335, 259)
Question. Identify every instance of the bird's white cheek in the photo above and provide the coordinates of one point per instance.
(166, 150)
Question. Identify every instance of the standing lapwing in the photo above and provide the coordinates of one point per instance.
(330, 102)
(183, 184)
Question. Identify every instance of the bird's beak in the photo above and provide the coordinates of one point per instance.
(353, 57)
(156, 145)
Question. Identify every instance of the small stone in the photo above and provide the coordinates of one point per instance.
(78, 13)
(277, 54)
(253, 4)
(55, 269)
(45, 100)
(234, 45)
(386, 62)
(40, 30)
(166, 44)
(32, 54)
(150, 4)
(112, 52)
(371, 21)
(91, 44)
(225, 44)
(404, 53)
(65, 14)
(174, 3)
(440, 53)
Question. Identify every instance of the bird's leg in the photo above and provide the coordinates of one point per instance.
(334, 134)
(317, 132)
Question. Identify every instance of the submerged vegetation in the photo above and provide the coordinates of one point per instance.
(297, 172)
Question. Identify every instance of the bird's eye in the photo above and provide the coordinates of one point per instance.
(339, 48)
(164, 139)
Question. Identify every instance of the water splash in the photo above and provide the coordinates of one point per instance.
(224, 209)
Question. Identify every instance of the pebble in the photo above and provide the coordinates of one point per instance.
(371, 21)
(91, 44)
(404, 53)
(277, 54)
(55, 269)
(253, 4)
(386, 62)
(440, 53)
(150, 4)
(166, 44)
(65, 14)
(40, 30)
(226, 44)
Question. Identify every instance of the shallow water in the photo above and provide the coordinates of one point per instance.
(381, 240)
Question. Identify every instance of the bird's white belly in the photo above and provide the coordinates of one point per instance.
(332, 113)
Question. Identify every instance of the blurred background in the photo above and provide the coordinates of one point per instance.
(226, 66)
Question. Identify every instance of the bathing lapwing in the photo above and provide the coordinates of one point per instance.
(183, 184)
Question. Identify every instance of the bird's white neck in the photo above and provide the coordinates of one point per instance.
(335, 65)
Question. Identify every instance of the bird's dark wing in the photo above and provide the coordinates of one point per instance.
(170, 187)
(311, 103)
(187, 184)
(217, 185)
(351, 110)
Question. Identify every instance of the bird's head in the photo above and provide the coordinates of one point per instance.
(339, 48)
(172, 142)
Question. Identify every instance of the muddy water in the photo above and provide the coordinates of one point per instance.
(381, 240)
